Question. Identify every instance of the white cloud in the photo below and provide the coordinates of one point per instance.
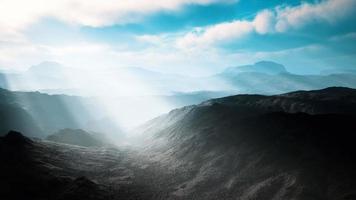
(16, 51)
(264, 22)
(217, 33)
(19, 55)
(16, 15)
(280, 19)
(330, 11)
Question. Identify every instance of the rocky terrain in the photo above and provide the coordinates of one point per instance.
(46, 170)
(297, 145)
(292, 146)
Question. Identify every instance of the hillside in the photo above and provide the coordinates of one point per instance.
(260, 147)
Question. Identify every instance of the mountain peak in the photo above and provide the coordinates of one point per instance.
(266, 63)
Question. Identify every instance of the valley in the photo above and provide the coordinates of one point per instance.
(292, 146)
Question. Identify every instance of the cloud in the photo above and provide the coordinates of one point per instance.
(347, 36)
(18, 55)
(16, 15)
(151, 39)
(217, 33)
(277, 20)
(330, 11)
(159, 50)
(264, 22)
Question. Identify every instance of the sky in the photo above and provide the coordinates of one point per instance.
(190, 37)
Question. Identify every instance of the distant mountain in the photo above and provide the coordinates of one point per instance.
(46, 75)
(39, 114)
(47, 68)
(13, 117)
(259, 147)
(76, 137)
(267, 67)
(264, 77)
(264, 83)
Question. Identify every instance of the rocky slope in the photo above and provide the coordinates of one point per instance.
(292, 146)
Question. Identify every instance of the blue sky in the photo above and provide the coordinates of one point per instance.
(195, 37)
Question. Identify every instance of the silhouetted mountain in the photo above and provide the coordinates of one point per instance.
(267, 67)
(15, 138)
(292, 146)
(76, 137)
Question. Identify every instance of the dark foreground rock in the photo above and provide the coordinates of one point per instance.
(34, 170)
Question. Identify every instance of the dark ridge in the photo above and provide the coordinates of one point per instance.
(339, 100)
(16, 138)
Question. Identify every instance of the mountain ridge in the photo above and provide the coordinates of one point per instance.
(218, 144)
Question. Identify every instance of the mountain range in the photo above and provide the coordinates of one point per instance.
(264, 77)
